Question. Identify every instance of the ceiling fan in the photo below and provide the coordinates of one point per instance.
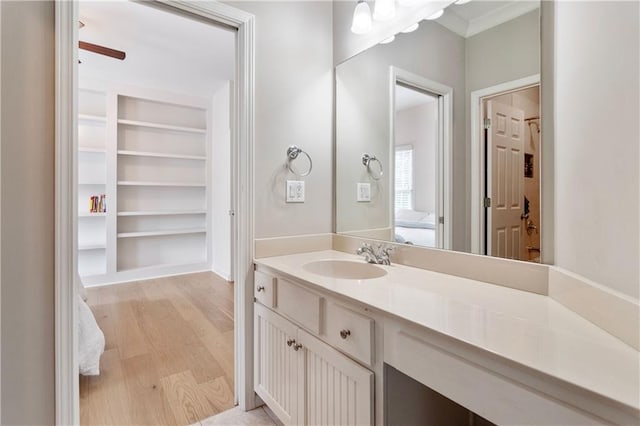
(101, 50)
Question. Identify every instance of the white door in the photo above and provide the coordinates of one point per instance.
(338, 391)
(506, 184)
(277, 364)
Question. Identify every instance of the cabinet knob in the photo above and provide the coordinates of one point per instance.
(260, 288)
(290, 342)
(345, 333)
(297, 346)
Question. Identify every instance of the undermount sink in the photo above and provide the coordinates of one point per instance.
(345, 269)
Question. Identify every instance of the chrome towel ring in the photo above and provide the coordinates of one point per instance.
(292, 153)
(366, 160)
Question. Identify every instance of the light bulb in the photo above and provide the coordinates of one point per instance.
(361, 23)
(435, 15)
(384, 10)
(388, 40)
(411, 28)
(462, 2)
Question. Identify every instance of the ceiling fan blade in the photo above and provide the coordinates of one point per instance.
(101, 50)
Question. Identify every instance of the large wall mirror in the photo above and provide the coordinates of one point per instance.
(438, 134)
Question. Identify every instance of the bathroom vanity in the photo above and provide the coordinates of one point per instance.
(329, 328)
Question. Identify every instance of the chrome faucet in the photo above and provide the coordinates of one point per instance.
(378, 256)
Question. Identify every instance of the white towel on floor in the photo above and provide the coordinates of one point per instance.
(90, 341)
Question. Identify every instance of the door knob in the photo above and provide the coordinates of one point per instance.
(290, 342)
(345, 333)
(260, 288)
(297, 346)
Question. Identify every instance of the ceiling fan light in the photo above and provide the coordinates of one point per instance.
(384, 10)
(435, 15)
(411, 28)
(388, 40)
(361, 23)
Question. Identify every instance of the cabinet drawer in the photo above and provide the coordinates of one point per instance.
(299, 304)
(350, 332)
(264, 289)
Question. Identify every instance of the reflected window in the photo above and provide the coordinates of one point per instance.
(404, 178)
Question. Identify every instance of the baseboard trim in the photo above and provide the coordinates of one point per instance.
(613, 312)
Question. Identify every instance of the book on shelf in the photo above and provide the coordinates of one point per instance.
(98, 203)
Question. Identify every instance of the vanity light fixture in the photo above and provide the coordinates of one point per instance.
(388, 40)
(361, 23)
(411, 28)
(435, 15)
(384, 10)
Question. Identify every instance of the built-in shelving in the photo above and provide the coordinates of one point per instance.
(91, 150)
(155, 184)
(89, 214)
(176, 184)
(162, 155)
(93, 118)
(162, 126)
(161, 233)
(97, 246)
(162, 213)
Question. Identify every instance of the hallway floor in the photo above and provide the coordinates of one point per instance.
(169, 355)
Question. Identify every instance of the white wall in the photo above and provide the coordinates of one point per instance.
(294, 104)
(220, 248)
(597, 142)
(418, 127)
(27, 213)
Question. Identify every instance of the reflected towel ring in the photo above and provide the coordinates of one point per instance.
(292, 153)
(366, 160)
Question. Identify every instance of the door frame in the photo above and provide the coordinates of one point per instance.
(445, 132)
(478, 155)
(66, 142)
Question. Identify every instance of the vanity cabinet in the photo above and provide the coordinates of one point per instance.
(304, 380)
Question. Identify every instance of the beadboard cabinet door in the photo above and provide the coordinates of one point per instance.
(278, 364)
(338, 391)
(304, 380)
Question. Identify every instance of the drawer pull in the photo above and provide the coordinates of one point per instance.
(290, 342)
(345, 333)
(297, 346)
(260, 288)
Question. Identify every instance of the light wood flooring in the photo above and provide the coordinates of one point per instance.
(169, 355)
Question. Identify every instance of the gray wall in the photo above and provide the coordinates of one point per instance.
(597, 142)
(294, 104)
(27, 212)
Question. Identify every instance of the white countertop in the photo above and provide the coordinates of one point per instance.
(526, 328)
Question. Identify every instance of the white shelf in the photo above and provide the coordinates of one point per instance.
(161, 155)
(160, 233)
(94, 118)
(176, 184)
(162, 213)
(92, 150)
(98, 246)
(162, 126)
(88, 214)
(91, 183)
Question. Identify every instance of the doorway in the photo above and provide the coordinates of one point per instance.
(511, 129)
(153, 189)
(420, 118)
(240, 127)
